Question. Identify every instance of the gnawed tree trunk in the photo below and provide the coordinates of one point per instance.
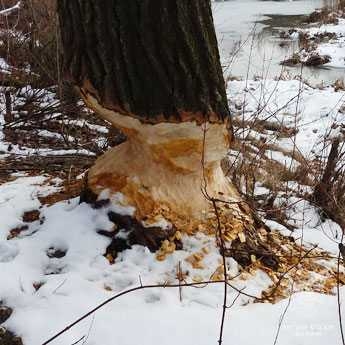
(152, 69)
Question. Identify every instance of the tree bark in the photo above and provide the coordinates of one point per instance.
(153, 60)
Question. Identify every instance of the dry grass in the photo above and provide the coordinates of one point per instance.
(31, 43)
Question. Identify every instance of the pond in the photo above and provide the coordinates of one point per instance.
(249, 42)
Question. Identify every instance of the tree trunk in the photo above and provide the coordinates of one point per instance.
(153, 60)
(152, 69)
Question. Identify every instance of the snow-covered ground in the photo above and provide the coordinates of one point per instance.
(47, 293)
(53, 270)
(335, 46)
(324, 40)
(312, 117)
(314, 114)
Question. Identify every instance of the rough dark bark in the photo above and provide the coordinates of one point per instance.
(156, 60)
(151, 67)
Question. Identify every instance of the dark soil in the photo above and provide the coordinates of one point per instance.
(5, 313)
(317, 60)
(135, 233)
(17, 231)
(9, 338)
(56, 253)
(31, 216)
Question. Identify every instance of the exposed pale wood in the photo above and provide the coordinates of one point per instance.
(163, 166)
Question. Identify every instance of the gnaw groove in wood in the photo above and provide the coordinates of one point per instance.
(160, 169)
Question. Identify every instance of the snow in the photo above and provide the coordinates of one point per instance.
(280, 157)
(83, 277)
(334, 47)
(4, 66)
(313, 112)
(47, 293)
(141, 318)
(310, 230)
(335, 51)
(8, 251)
(338, 28)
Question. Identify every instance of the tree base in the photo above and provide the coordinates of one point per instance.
(164, 169)
(173, 171)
